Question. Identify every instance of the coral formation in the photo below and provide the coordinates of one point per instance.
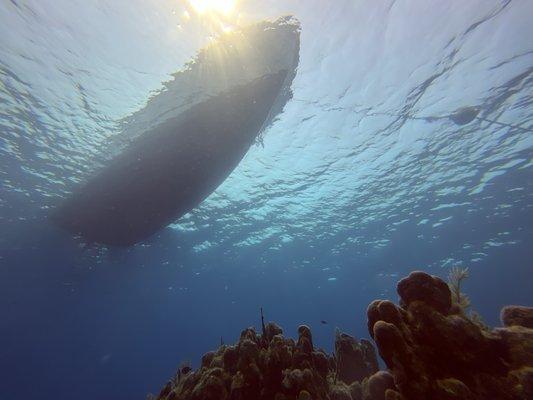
(455, 278)
(268, 366)
(518, 316)
(435, 351)
(355, 360)
(432, 348)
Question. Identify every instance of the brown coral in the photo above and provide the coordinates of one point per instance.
(436, 352)
(272, 367)
(517, 315)
(356, 360)
(432, 348)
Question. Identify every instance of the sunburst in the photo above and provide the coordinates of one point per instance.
(225, 7)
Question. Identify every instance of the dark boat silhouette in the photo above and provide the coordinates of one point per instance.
(181, 159)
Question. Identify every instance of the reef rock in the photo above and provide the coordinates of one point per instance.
(356, 360)
(269, 366)
(434, 351)
(517, 316)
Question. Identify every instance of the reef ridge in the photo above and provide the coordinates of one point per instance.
(432, 348)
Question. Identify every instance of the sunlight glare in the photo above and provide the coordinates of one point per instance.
(221, 6)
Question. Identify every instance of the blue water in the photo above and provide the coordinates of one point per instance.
(360, 180)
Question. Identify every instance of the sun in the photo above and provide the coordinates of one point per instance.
(220, 6)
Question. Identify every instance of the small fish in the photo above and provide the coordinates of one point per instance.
(324, 322)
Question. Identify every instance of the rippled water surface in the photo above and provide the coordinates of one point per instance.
(363, 177)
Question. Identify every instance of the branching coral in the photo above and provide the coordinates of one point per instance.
(455, 277)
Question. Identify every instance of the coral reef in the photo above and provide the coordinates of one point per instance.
(433, 349)
(455, 278)
(517, 316)
(268, 366)
(355, 360)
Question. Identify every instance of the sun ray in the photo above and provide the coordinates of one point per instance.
(219, 6)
